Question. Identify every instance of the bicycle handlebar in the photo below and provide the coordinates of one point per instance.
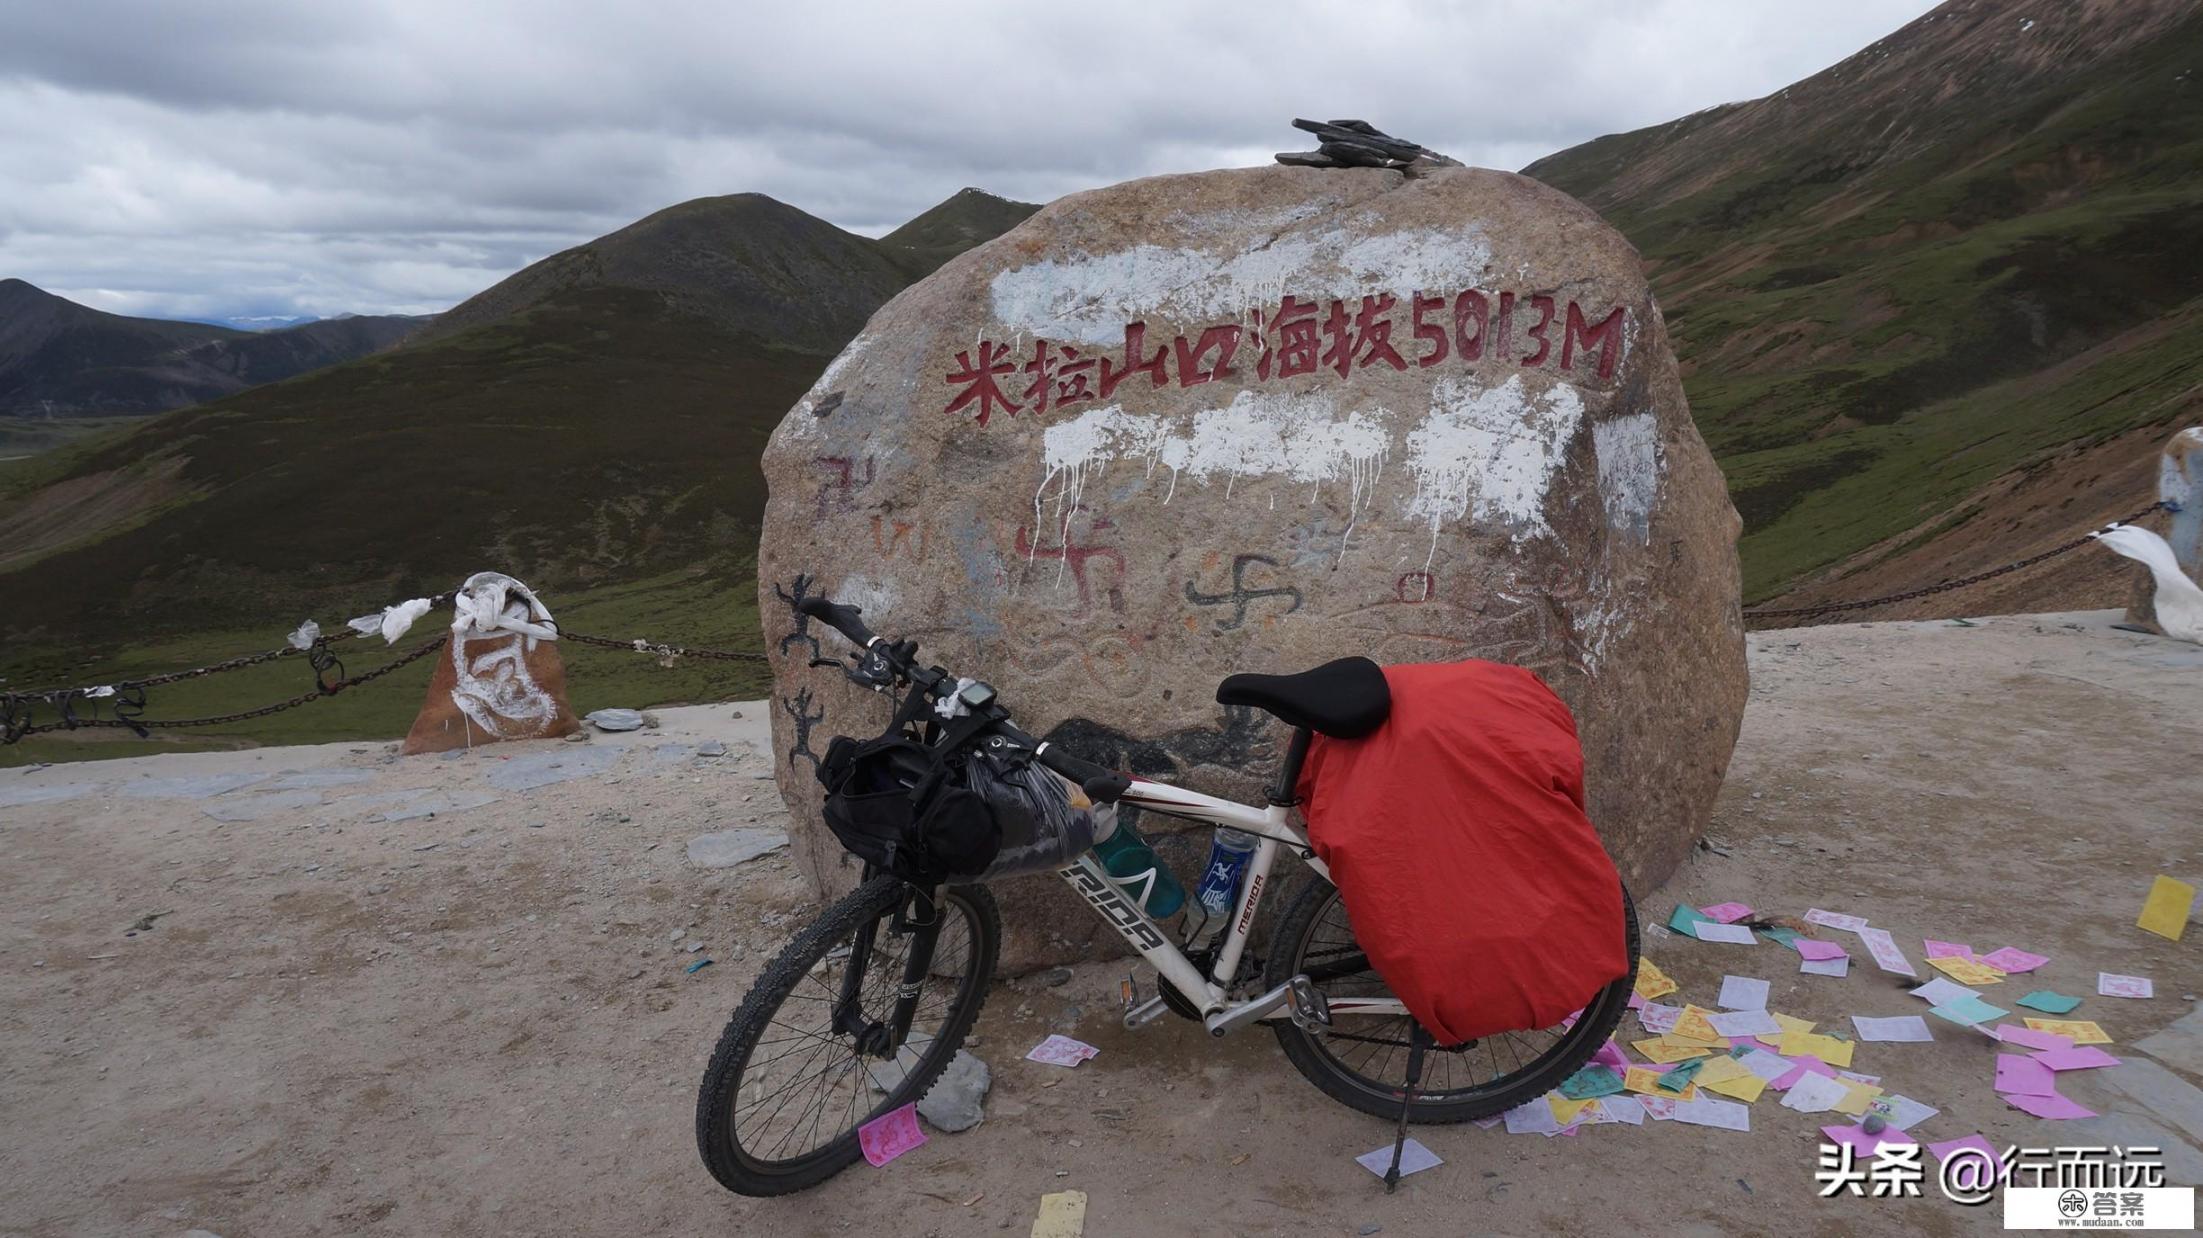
(1101, 785)
(843, 619)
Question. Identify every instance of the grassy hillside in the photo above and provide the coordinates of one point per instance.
(1972, 244)
(964, 220)
(750, 264)
(597, 434)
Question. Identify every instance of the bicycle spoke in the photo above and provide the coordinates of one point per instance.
(1373, 1051)
(805, 1085)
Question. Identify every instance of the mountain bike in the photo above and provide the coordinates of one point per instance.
(863, 1010)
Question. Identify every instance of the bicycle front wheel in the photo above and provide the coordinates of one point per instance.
(799, 1068)
(1362, 1062)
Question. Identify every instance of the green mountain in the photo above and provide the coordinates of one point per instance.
(1971, 248)
(593, 423)
(59, 359)
(967, 218)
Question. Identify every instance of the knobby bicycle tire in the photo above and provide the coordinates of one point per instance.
(1374, 1095)
(717, 1117)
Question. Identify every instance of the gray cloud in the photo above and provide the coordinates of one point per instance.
(398, 155)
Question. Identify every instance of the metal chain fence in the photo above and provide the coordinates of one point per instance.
(125, 700)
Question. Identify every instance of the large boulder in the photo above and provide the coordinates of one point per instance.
(1251, 421)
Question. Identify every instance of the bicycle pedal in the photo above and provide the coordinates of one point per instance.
(1136, 1012)
(1311, 1011)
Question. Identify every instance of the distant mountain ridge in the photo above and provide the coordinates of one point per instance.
(752, 264)
(61, 359)
(594, 422)
(1974, 247)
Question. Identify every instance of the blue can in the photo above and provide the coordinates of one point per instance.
(1220, 878)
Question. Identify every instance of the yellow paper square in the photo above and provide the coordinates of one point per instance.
(1827, 1048)
(1745, 1087)
(1790, 1024)
(1647, 1081)
(1666, 1052)
(1062, 1215)
(1856, 1097)
(1718, 1069)
(1564, 1109)
(1968, 971)
(2165, 911)
(1831, 1050)
(1652, 982)
(1692, 1025)
(2082, 1031)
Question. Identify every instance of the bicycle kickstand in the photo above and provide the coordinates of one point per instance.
(1417, 1041)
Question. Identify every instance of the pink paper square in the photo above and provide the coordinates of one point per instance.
(1815, 951)
(1610, 1054)
(890, 1135)
(1060, 1050)
(1946, 949)
(2079, 1057)
(1806, 1064)
(2029, 1038)
(1636, 1001)
(2012, 960)
(2051, 1106)
(1725, 913)
(2024, 1076)
(1863, 1143)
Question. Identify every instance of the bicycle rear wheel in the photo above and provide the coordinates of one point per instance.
(790, 1083)
(1362, 1062)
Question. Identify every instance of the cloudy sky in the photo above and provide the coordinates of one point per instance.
(310, 157)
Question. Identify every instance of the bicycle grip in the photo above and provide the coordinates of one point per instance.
(1103, 786)
(843, 619)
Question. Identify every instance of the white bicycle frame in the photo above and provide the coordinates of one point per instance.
(1274, 827)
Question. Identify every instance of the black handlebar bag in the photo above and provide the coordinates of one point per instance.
(904, 806)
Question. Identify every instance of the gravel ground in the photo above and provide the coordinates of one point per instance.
(235, 997)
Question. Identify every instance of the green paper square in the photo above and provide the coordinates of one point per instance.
(2049, 1003)
(1685, 917)
(1678, 1079)
(1590, 1083)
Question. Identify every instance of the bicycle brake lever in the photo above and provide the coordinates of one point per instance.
(867, 670)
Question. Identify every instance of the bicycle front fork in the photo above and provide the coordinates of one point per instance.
(919, 918)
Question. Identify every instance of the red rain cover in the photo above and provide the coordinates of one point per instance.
(1457, 837)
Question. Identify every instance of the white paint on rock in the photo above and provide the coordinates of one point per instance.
(874, 597)
(1299, 437)
(1088, 298)
(1629, 471)
(1489, 453)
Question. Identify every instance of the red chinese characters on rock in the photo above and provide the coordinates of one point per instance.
(1292, 339)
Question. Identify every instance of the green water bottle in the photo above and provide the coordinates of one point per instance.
(1139, 872)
